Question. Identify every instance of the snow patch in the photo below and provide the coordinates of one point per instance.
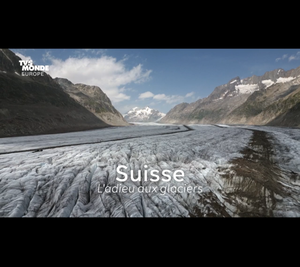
(222, 96)
(143, 114)
(146, 111)
(233, 81)
(284, 80)
(247, 88)
(267, 83)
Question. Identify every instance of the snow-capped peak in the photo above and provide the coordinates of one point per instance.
(145, 114)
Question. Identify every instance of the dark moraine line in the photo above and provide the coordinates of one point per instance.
(90, 143)
(256, 178)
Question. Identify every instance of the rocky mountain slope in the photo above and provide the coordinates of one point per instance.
(271, 99)
(37, 104)
(93, 99)
(143, 115)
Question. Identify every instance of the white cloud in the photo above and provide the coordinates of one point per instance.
(95, 51)
(174, 99)
(281, 58)
(23, 57)
(189, 94)
(160, 97)
(295, 57)
(146, 95)
(104, 71)
(290, 58)
(46, 56)
(88, 52)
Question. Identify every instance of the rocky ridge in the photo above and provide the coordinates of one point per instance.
(271, 99)
(94, 100)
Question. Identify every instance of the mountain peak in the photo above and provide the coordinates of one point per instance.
(235, 80)
(93, 99)
(145, 114)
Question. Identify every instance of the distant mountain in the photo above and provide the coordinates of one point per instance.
(143, 115)
(270, 99)
(37, 104)
(93, 99)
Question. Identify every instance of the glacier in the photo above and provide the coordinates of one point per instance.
(59, 175)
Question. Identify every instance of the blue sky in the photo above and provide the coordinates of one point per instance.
(159, 78)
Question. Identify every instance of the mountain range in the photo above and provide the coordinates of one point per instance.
(270, 99)
(143, 115)
(40, 104)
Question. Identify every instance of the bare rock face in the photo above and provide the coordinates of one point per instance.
(37, 104)
(93, 99)
(268, 99)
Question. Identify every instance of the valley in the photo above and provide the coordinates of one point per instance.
(66, 151)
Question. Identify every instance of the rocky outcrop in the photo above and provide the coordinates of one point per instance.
(94, 100)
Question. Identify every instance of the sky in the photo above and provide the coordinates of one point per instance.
(158, 78)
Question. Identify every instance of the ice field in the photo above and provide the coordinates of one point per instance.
(228, 171)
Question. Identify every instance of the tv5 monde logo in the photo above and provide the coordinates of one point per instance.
(28, 69)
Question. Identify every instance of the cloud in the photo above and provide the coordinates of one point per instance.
(110, 75)
(160, 97)
(46, 56)
(189, 94)
(95, 51)
(281, 58)
(169, 99)
(295, 57)
(23, 57)
(88, 52)
(290, 58)
(146, 95)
